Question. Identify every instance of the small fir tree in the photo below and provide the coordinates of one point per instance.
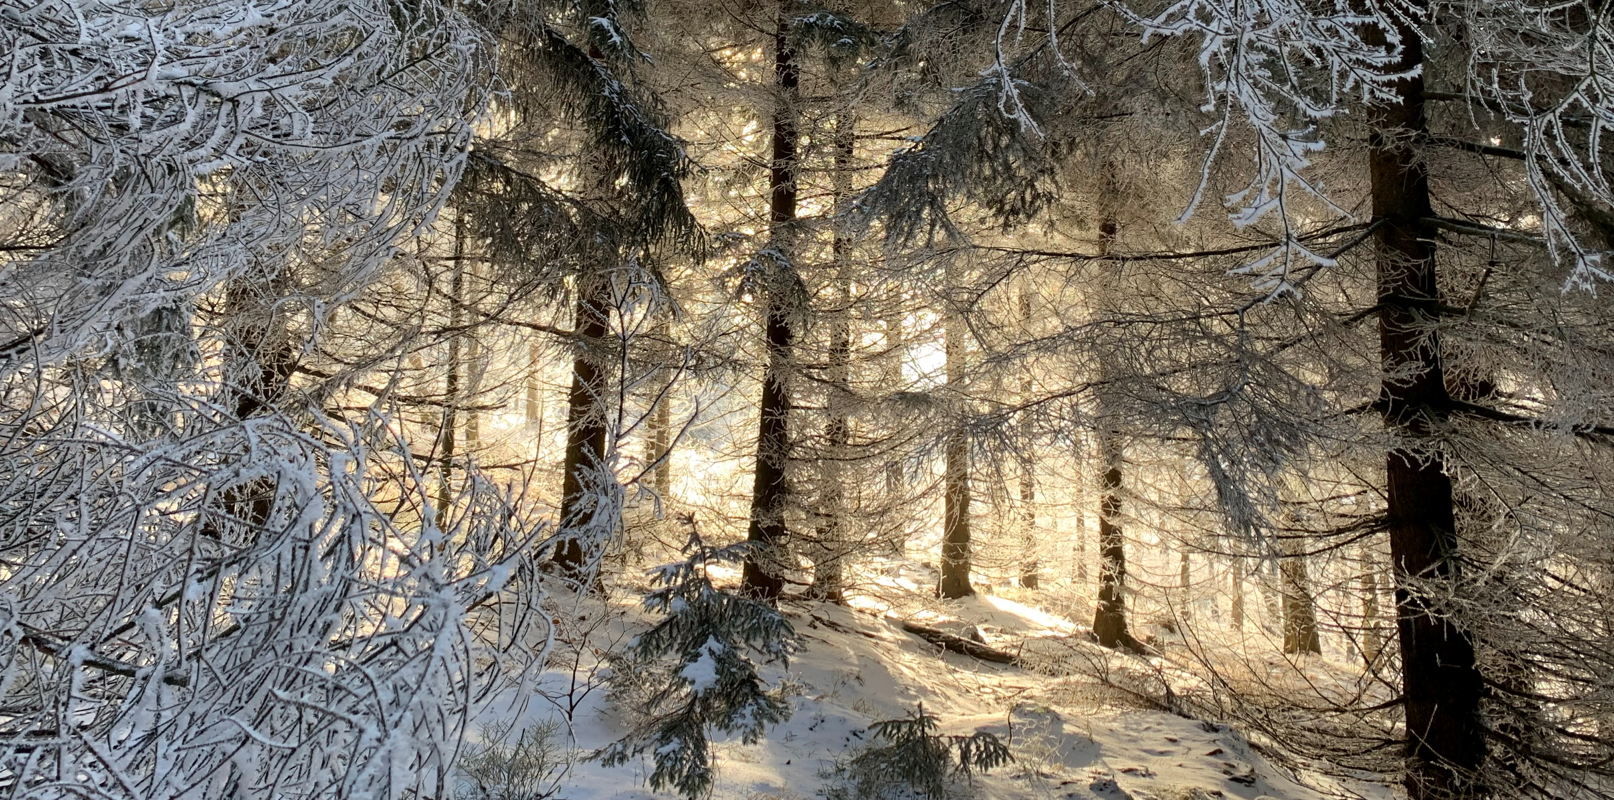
(907, 758)
(694, 673)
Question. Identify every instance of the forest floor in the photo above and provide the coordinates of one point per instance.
(1082, 722)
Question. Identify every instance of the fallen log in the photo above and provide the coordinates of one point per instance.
(958, 644)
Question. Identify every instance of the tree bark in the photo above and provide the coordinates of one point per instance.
(658, 450)
(833, 544)
(955, 546)
(1109, 615)
(1372, 639)
(1299, 614)
(769, 492)
(1109, 618)
(1030, 569)
(449, 427)
(1442, 686)
(1235, 575)
(586, 431)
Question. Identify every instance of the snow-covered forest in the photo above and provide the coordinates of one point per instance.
(786, 399)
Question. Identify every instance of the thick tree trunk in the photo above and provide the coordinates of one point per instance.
(767, 531)
(1109, 618)
(1299, 614)
(833, 545)
(1441, 685)
(955, 545)
(586, 430)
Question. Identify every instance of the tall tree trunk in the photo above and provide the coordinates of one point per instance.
(1185, 576)
(1109, 618)
(769, 492)
(1372, 638)
(449, 427)
(1030, 569)
(586, 431)
(1299, 614)
(1081, 507)
(535, 394)
(833, 544)
(1109, 615)
(955, 545)
(1441, 684)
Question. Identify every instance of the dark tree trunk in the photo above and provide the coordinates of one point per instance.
(585, 430)
(1441, 685)
(263, 358)
(1109, 619)
(955, 545)
(829, 569)
(767, 531)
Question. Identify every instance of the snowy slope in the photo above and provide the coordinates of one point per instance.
(1070, 740)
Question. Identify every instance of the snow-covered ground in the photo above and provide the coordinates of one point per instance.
(1072, 737)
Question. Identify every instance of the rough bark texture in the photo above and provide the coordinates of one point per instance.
(1109, 618)
(585, 426)
(1442, 687)
(767, 530)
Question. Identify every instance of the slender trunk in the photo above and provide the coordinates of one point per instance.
(449, 427)
(586, 431)
(1441, 685)
(1030, 569)
(477, 364)
(829, 569)
(1081, 508)
(769, 492)
(659, 441)
(955, 546)
(1235, 574)
(1372, 638)
(1185, 574)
